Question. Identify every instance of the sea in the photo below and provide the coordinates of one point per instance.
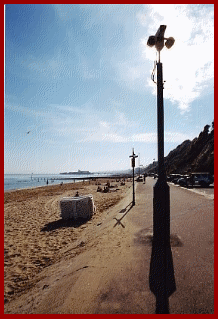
(21, 181)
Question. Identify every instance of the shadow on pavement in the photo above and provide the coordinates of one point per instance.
(145, 237)
(125, 210)
(161, 277)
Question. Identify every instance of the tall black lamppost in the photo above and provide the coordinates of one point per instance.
(133, 156)
(161, 276)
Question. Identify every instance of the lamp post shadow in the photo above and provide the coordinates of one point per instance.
(161, 277)
(126, 210)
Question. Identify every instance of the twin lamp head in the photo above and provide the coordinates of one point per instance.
(157, 40)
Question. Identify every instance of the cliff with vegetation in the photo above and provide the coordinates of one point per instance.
(191, 156)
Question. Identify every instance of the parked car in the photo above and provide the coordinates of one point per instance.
(139, 179)
(183, 181)
(176, 177)
(196, 179)
(201, 179)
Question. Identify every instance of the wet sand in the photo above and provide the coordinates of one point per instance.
(35, 236)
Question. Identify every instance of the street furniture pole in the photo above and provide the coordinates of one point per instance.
(133, 187)
(133, 156)
(161, 276)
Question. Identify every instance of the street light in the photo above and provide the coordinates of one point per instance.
(133, 156)
(157, 40)
(161, 276)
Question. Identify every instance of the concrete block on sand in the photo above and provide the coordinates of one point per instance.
(77, 207)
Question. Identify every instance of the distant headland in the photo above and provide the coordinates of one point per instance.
(76, 173)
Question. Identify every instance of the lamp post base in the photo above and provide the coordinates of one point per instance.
(162, 306)
(161, 277)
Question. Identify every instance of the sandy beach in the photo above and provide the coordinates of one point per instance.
(101, 266)
(35, 236)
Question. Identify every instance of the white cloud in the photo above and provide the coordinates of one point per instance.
(188, 66)
(104, 132)
(25, 111)
(108, 132)
(169, 137)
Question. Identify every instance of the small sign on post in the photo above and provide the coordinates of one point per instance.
(133, 162)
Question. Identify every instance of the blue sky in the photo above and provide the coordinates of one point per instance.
(78, 79)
